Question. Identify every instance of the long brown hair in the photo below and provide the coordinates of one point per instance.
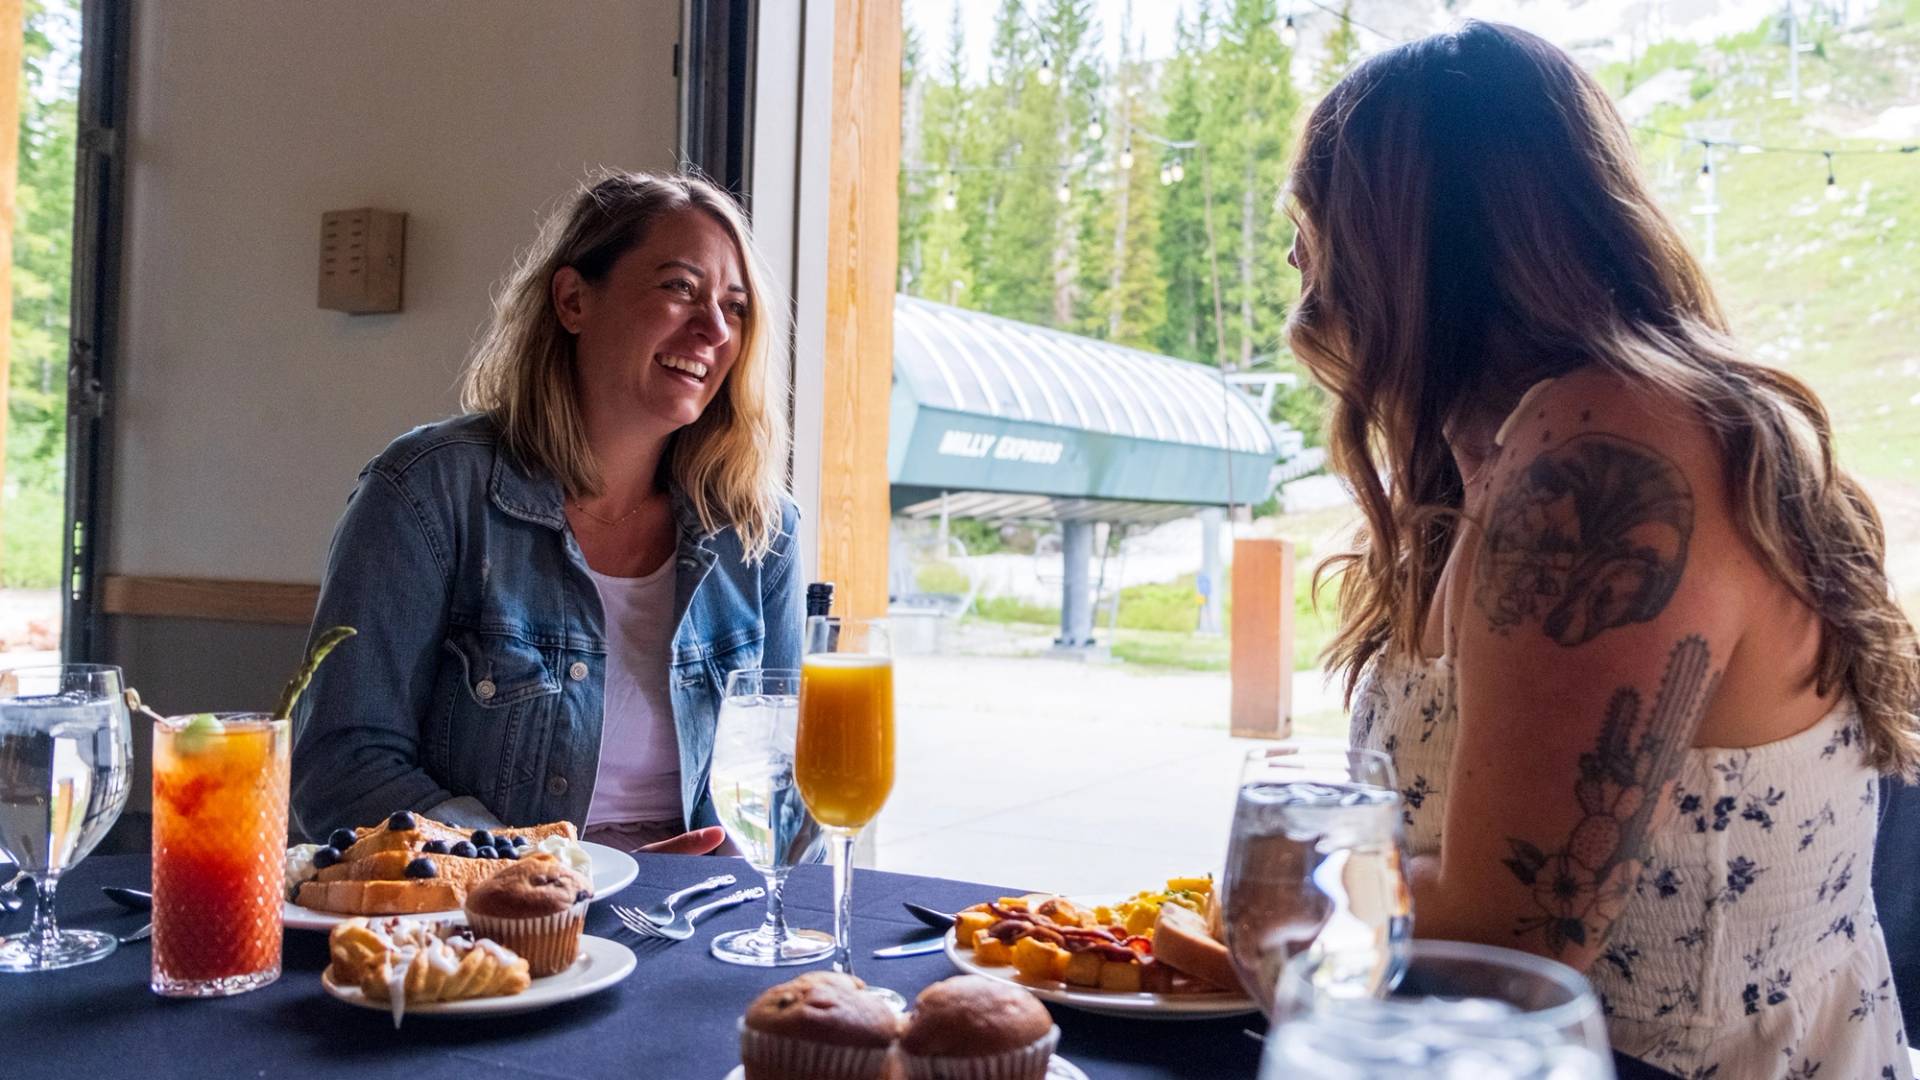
(1472, 199)
(730, 462)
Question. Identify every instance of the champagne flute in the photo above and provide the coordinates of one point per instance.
(65, 769)
(843, 755)
(1460, 1009)
(754, 793)
(1315, 863)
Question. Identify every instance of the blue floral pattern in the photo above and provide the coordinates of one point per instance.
(1751, 947)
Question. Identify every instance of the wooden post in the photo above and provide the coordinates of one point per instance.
(862, 257)
(1262, 665)
(12, 31)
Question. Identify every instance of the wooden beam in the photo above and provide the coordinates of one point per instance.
(862, 257)
(209, 598)
(12, 33)
(1262, 650)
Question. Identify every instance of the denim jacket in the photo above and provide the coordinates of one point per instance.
(473, 690)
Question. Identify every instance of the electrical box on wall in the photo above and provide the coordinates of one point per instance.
(362, 254)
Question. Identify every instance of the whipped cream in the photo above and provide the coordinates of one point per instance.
(300, 868)
(569, 852)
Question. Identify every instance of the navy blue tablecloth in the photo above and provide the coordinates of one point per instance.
(672, 1019)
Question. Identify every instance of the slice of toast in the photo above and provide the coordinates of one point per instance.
(373, 839)
(458, 871)
(378, 897)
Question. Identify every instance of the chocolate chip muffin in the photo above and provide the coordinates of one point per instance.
(977, 1029)
(820, 1026)
(537, 907)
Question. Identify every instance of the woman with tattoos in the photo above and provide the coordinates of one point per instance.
(1619, 619)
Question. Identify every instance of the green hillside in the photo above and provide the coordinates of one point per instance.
(1823, 287)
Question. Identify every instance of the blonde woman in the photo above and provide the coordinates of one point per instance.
(1621, 623)
(551, 590)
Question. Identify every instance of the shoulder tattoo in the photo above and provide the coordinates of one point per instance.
(1591, 535)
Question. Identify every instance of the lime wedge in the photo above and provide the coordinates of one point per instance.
(198, 733)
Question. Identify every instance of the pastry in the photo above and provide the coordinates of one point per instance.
(403, 962)
(411, 863)
(820, 1026)
(536, 907)
(974, 1028)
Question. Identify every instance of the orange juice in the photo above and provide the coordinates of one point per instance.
(843, 756)
(219, 853)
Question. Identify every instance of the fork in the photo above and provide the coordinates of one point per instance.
(680, 927)
(663, 911)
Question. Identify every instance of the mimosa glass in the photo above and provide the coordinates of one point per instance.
(843, 758)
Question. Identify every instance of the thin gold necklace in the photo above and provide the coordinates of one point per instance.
(577, 505)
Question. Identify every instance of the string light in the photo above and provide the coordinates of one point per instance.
(1094, 130)
(1289, 34)
(1166, 176)
(1704, 181)
(1065, 193)
(952, 201)
(1834, 191)
(1126, 157)
(1045, 74)
(1177, 171)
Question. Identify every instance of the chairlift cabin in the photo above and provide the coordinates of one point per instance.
(1003, 421)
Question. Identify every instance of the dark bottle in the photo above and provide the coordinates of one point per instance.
(819, 598)
(822, 636)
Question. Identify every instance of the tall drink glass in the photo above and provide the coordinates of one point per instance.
(843, 760)
(219, 852)
(1460, 1010)
(65, 762)
(1315, 864)
(755, 795)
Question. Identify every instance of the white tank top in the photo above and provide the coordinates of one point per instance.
(639, 775)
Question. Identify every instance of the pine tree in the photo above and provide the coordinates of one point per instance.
(954, 193)
(1188, 330)
(1342, 49)
(1013, 261)
(1131, 306)
(1252, 130)
(42, 252)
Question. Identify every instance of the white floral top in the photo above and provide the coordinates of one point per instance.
(1751, 948)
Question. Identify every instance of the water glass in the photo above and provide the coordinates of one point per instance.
(843, 754)
(1316, 865)
(65, 769)
(758, 802)
(1460, 1010)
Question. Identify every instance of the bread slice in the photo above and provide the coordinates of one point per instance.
(1181, 941)
(373, 839)
(460, 872)
(378, 897)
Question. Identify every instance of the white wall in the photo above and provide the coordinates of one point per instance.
(243, 411)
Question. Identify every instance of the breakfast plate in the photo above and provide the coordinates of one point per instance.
(602, 962)
(1058, 1068)
(1206, 1005)
(613, 870)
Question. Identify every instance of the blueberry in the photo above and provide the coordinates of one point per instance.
(506, 851)
(485, 851)
(482, 838)
(342, 839)
(401, 822)
(325, 857)
(421, 867)
(436, 847)
(520, 841)
(464, 849)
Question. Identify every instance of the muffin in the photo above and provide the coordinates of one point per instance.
(974, 1028)
(536, 907)
(820, 1026)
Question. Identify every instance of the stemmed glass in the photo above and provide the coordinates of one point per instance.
(1460, 1009)
(843, 756)
(1315, 865)
(65, 769)
(754, 793)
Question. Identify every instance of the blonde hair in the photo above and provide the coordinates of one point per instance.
(1472, 218)
(730, 462)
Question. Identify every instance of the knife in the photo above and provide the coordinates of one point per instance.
(911, 948)
(131, 899)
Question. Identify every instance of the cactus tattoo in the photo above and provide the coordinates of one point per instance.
(1581, 887)
(1592, 535)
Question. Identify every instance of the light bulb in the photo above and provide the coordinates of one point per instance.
(1289, 34)
(1065, 194)
(1835, 192)
(1045, 74)
(1094, 131)
(1126, 158)
(1166, 175)
(1179, 172)
(1704, 178)
(952, 201)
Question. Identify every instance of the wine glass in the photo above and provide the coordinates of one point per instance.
(754, 793)
(1460, 1009)
(843, 757)
(65, 770)
(1315, 864)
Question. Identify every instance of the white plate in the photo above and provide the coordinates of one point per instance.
(613, 870)
(601, 963)
(1058, 1068)
(1196, 1006)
